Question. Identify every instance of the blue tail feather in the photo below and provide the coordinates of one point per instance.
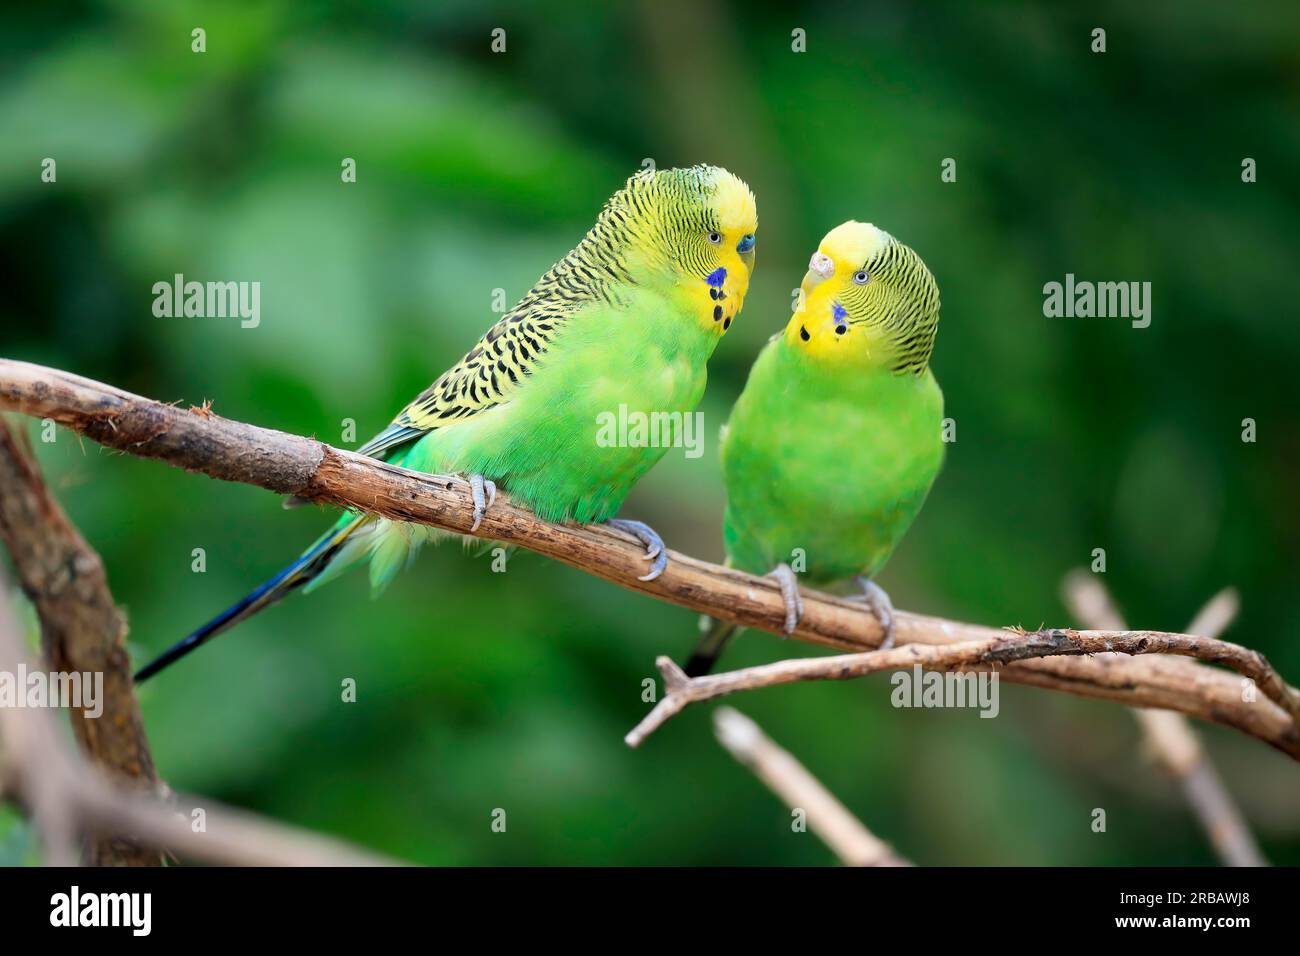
(301, 571)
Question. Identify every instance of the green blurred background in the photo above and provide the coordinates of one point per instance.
(477, 170)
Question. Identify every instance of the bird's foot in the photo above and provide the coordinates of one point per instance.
(655, 551)
(478, 485)
(882, 607)
(784, 575)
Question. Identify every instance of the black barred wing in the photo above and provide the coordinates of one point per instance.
(482, 380)
(593, 274)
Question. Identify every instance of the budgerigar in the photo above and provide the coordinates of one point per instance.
(832, 446)
(628, 318)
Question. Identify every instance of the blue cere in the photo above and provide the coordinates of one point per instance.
(746, 244)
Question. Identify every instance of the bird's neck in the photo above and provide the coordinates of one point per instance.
(813, 373)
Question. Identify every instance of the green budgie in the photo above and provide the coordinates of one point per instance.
(628, 319)
(835, 440)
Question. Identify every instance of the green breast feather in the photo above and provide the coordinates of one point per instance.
(832, 465)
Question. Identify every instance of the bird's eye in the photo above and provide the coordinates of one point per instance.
(746, 244)
(861, 277)
(715, 238)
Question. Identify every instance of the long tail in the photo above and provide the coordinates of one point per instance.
(310, 565)
(710, 648)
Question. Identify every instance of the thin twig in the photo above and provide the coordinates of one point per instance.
(839, 829)
(1169, 738)
(1010, 647)
(1217, 615)
(289, 464)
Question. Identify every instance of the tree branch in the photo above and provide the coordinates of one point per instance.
(82, 631)
(839, 829)
(289, 464)
(1169, 738)
(1012, 646)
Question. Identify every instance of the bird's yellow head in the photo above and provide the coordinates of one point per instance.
(868, 300)
(698, 224)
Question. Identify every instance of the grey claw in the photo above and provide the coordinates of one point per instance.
(655, 551)
(784, 575)
(882, 607)
(477, 484)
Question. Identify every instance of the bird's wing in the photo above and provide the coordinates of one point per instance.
(486, 377)
(591, 275)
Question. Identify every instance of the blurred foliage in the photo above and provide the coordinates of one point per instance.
(476, 171)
